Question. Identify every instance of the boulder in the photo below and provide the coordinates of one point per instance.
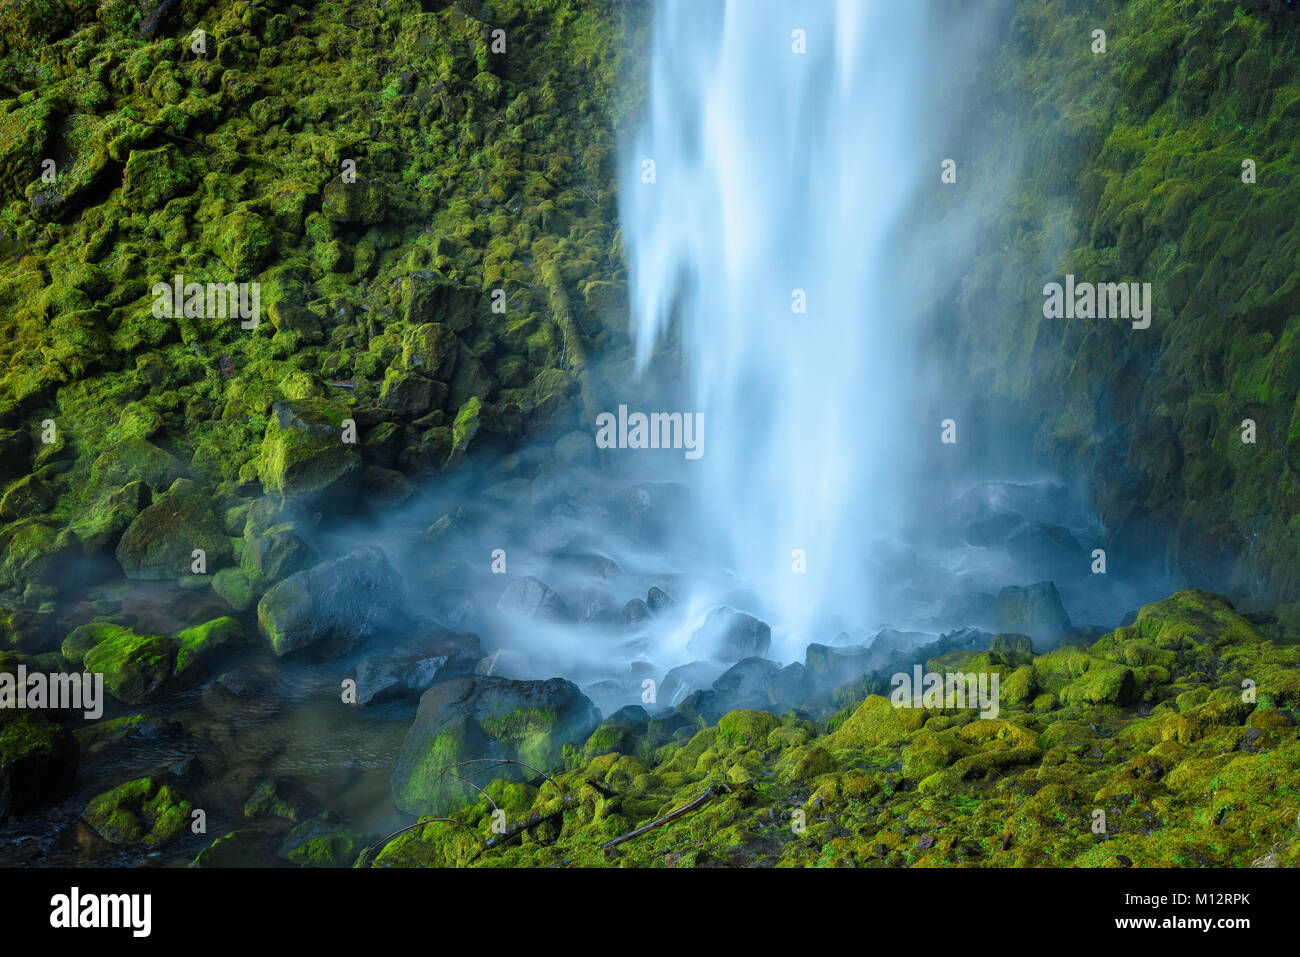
(828, 667)
(304, 455)
(1046, 550)
(416, 666)
(1035, 611)
(38, 761)
(761, 685)
(475, 717)
(728, 635)
(334, 606)
(145, 812)
(136, 668)
(359, 203)
(533, 599)
(682, 680)
(160, 541)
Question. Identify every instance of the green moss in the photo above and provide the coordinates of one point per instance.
(145, 811)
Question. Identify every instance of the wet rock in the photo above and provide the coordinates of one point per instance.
(246, 847)
(409, 395)
(1012, 645)
(137, 668)
(619, 733)
(275, 554)
(234, 587)
(533, 599)
(26, 497)
(682, 680)
(761, 685)
(828, 667)
(324, 841)
(889, 642)
(989, 527)
(430, 349)
(728, 635)
(242, 683)
(334, 606)
(304, 455)
(137, 459)
(1035, 611)
(279, 797)
(576, 449)
(416, 666)
(198, 645)
(473, 717)
(634, 614)
(130, 729)
(160, 541)
(659, 601)
(101, 529)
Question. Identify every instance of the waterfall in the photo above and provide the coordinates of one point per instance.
(774, 168)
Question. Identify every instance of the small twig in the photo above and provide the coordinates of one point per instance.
(501, 761)
(710, 794)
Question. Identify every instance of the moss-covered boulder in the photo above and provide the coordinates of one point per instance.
(196, 645)
(101, 527)
(428, 297)
(360, 203)
(234, 587)
(304, 455)
(144, 812)
(477, 717)
(160, 542)
(136, 668)
(334, 606)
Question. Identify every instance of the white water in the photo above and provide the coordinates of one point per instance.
(778, 171)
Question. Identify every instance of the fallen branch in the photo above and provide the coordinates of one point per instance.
(531, 822)
(713, 791)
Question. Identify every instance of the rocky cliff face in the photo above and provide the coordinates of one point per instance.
(317, 251)
(1167, 159)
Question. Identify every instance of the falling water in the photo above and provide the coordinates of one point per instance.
(763, 175)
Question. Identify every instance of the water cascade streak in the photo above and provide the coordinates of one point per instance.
(775, 172)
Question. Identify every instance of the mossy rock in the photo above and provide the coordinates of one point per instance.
(143, 812)
(234, 587)
(360, 203)
(196, 645)
(137, 668)
(303, 454)
(875, 723)
(160, 541)
(474, 716)
(152, 177)
(246, 847)
(38, 761)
